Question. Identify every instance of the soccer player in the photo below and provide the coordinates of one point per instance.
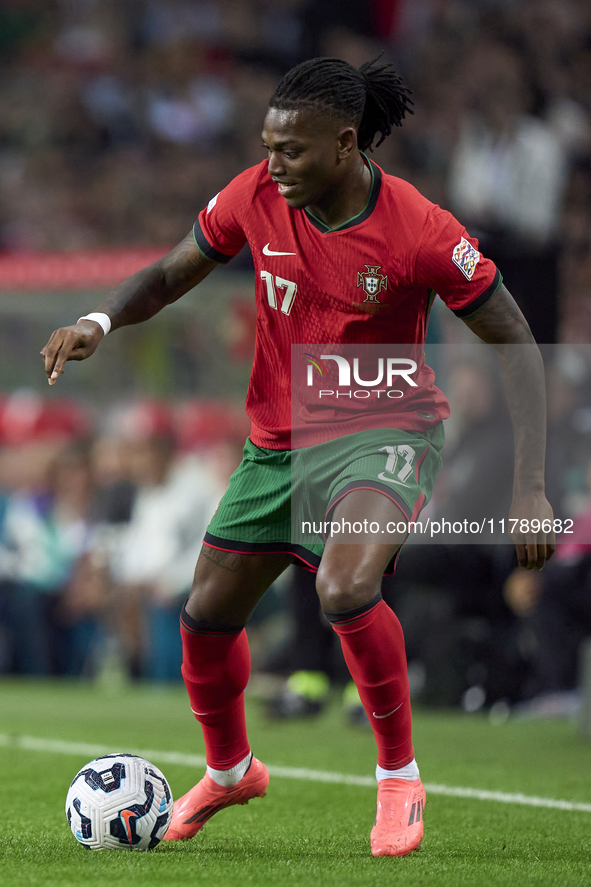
(326, 227)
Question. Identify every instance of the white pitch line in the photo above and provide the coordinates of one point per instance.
(478, 794)
(89, 750)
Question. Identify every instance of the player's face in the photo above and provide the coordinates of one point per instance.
(305, 155)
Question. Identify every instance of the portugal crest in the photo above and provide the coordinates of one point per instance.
(372, 282)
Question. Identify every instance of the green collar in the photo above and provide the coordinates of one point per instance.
(374, 191)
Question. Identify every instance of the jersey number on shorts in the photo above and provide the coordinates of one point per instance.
(289, 286)
(396, 455)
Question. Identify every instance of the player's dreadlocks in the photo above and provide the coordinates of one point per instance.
(373, 98)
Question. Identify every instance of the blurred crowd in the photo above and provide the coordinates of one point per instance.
(120, 120)
(101, 523)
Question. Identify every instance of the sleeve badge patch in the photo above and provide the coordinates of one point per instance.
(213, 202)
(466, 257)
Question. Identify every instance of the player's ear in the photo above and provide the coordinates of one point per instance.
(346, 142)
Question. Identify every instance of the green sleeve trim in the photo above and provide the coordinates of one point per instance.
(480, 300)
(197, 245)
(209, 251)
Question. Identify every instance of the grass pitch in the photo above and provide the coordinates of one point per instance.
(304, 832)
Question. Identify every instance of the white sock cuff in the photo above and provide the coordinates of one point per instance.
(410, 772)
(233, 775)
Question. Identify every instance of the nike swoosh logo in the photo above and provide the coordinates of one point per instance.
(389, 713)
(127, 815)
(272, 252)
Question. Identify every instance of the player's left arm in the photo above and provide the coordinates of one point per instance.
(501, 324)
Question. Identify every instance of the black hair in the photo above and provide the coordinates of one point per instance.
(373, 98)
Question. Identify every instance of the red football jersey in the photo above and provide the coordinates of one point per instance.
(370, 281)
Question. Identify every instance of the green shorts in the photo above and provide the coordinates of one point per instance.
(279, 500)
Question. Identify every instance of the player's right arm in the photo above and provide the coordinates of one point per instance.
(138, 298)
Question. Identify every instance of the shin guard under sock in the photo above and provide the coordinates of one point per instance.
(216, 668)
(373, 647)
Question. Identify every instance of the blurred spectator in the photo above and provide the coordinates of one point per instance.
(157, 550)
(555, 609)
(115, 489)
(477, 476)
(507, 181)
(45, 531)
(507, 174)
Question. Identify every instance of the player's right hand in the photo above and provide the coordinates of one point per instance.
(75, 342)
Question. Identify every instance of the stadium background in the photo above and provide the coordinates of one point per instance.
(118, 122)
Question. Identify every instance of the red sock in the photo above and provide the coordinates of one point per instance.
(216, 668)
(373, 646)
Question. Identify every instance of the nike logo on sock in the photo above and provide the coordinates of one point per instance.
(389, 713)
(272, 252)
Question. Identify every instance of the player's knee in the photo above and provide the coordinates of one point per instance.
(338, 592)
(225, 590)
(212, 601)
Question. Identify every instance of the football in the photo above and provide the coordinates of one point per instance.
(119, 802)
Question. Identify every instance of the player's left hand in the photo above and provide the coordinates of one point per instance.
(532, 517)
(76, 342)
